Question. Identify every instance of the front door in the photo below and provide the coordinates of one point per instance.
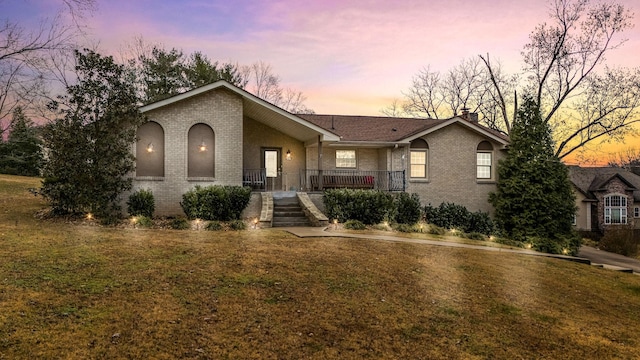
(272, 163)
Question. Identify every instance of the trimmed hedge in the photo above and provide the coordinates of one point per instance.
(141, 203)
(215, 202)
(367, 206)
(408, 210)
(449, 215)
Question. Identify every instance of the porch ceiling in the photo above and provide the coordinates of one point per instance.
(285, 122)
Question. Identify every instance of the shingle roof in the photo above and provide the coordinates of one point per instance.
(378, 128)
(591, 179)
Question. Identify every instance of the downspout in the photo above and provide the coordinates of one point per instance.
(320, 162)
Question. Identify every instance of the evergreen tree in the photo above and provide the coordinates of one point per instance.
(21, 154)
(89, 147)
(167, 73)
(534, 201)
(163, 74)
(201, 71)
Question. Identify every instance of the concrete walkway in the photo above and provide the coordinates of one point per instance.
(304, 232)
(586, 255)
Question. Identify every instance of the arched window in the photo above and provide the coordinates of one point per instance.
(201, 152)
(484, 161)
(419, 159)
(150, 150)
(615, 209)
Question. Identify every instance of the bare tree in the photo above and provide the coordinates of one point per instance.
(465, 86)
(628, 159)
(561, 60)
(561, 63)
(26, 67)
(395, 109)
(263, 83)
(424, 97)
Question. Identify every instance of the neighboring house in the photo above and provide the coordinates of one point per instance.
(221, 134)
(605, 197)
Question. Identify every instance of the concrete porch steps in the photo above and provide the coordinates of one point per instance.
(287, 212)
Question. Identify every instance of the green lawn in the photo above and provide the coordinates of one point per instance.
(78, 290)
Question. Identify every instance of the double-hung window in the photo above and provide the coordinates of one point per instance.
(484, 161)
(345, 158)
(419, 156)
(615, 209)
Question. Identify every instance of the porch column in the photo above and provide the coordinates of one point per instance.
(320, 162)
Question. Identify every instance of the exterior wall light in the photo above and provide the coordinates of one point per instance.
(150, 148)
(288, 156)
(203, 146)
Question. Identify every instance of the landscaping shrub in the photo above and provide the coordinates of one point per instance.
(367, 206)
(475, 236)
(449, 215)
(222, 203)
(238, 225)
(436, 230)
(509, 242)
(179, 224)
(546, 245)
(407, 208)
(405, 228)
(480, 222)
(354, 225)
(109, 219)
(566, 245)
(145, 221)
(141, 203)
(214, 226)
(620, 240)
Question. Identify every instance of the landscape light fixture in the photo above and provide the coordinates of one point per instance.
(288, 156)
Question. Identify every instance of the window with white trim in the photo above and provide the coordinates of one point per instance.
(615, 209)
(636, 212)
(419, 157)
(345, 158)
(484, 160)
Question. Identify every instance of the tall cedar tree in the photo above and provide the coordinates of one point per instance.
(21, 154)
(534, 196)
(89, 152)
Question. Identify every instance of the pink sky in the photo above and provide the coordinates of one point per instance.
(347, 57)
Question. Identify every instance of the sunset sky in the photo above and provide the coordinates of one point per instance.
(347, 57)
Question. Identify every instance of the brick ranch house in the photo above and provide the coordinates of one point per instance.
(221, 134)
(606, 197)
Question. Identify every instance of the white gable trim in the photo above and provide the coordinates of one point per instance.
(326, 135)
(465, 123)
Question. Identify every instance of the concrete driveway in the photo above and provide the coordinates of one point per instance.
(609, 260)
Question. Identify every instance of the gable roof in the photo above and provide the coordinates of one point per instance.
(363, 130)
(593, 179)
(391, 129)
(258, 109)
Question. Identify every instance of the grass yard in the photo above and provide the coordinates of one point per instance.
(85, 291)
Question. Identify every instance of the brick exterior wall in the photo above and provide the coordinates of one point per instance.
(239, 139)
(452, 170)
(615, 186)
(219, 109)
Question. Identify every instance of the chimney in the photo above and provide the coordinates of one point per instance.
(465, 114)
(469, 116)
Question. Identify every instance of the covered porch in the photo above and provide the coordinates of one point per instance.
(310, 180)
